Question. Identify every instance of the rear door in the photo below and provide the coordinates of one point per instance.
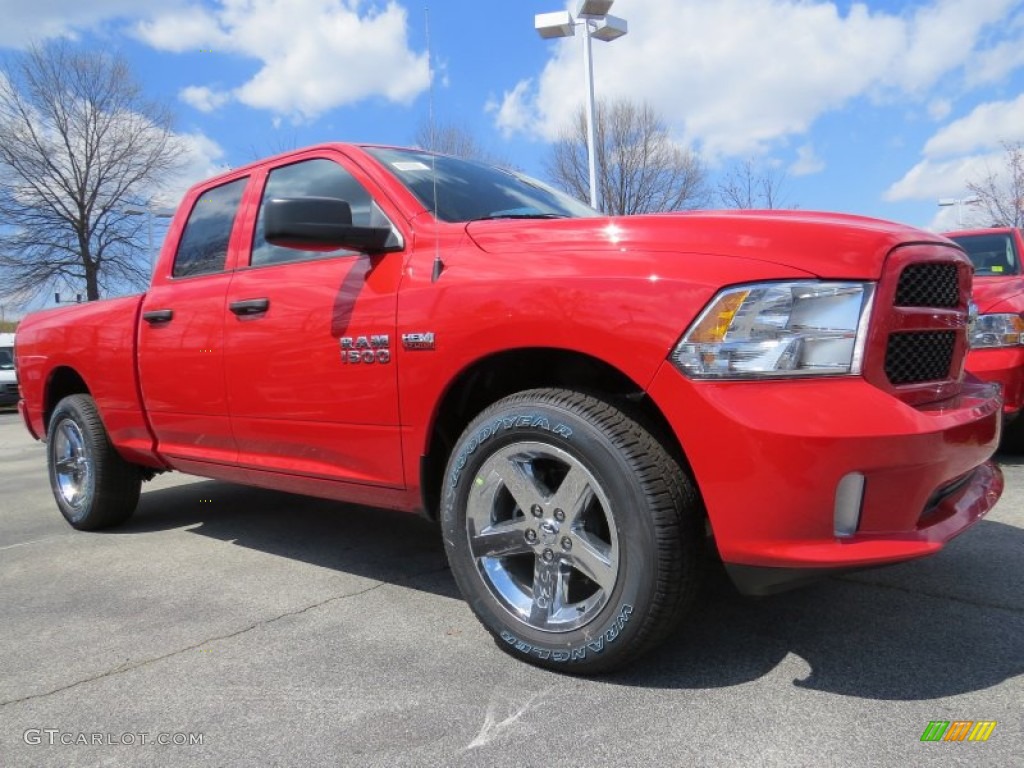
(310, 340)
(181, 336)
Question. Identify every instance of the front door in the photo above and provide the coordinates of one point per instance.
(309, 345)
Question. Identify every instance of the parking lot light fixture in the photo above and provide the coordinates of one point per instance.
(959, 202)
(150, 214)
(592, 16)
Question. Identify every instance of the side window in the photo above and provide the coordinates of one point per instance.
(313, 178)
(204, 242)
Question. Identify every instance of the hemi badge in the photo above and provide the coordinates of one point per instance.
(418, 340)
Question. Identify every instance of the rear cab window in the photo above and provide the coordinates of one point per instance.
(203, 247)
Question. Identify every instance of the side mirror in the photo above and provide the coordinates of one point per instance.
(320, 224)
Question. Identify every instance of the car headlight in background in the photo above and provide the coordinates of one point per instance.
(1000, 330)
(803, 328)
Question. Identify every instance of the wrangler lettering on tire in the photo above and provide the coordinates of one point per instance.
(571, 531)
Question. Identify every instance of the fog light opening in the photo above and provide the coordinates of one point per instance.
(849, 499)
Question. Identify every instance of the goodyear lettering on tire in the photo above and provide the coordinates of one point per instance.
(504, 424)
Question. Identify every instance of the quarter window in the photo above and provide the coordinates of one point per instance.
(204, 243)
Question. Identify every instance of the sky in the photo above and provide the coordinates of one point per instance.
(878, 108)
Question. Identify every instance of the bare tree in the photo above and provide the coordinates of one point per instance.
(79, 144)
(1001, 193)
(457, 140)
(640, 169)
(748, 185)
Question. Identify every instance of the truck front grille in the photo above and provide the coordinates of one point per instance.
(929, 285)
(918, 340)
(919, 356)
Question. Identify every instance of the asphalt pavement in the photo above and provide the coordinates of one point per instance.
(230, 626)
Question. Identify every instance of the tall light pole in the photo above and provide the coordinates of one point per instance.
(150, 214)
(593, 16)
(959, 202)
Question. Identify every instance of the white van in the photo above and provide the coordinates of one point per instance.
(8, 378)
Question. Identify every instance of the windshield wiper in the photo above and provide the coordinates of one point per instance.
(501, 215)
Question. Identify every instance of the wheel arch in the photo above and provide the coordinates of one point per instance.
(62, 382)
(498, 375)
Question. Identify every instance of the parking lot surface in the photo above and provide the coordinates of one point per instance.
(230, 626)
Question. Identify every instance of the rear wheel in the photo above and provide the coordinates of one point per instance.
(574, 536)
(93, 486)
(1013, 435)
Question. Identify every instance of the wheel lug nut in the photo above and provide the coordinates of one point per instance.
(566, 543)
(548, 555)
(536, 511)
(559, 515)
(531, 535)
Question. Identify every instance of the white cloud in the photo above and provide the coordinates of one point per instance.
(188, 29)
(512, 113)
(807, 162)
(985, 128)
(940, 37)
(25, 22)
(737, 75)
(202, 158)
(315, 54)
(204, 99)
(967, 150)
(933, 178)
(940, 109)
(995, 63)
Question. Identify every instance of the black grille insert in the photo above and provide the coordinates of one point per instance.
(918, 356)
(929, 285)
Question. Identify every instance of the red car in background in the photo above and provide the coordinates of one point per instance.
(997, 342)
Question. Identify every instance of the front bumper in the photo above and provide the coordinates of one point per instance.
(768, 457)
(1005, 367)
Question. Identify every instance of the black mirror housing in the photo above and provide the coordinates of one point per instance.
(319, 224)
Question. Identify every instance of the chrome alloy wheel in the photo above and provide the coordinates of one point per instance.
(72, 464)
(543, 537)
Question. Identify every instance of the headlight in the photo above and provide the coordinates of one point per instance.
(779, 330)
(1004, 330)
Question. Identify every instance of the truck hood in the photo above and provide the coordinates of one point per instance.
(828, 245)
(999, 294)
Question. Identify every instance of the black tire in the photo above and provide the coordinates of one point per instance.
(93, 486)
(1013, 435)
(584, 589)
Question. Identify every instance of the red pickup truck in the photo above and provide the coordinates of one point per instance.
(997, 343)
(587, 405)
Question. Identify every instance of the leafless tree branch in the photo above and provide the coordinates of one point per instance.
(456, 140)
(748, 185)
(1001, 193)
(640, 168)
(79, 144)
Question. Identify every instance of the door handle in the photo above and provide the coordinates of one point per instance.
(155, 316)
(249, 307)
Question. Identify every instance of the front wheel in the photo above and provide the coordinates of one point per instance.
(94, 487)
(573, 534)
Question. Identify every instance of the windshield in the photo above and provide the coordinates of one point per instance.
(6, 359)
(469, 191)
(992, 255)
